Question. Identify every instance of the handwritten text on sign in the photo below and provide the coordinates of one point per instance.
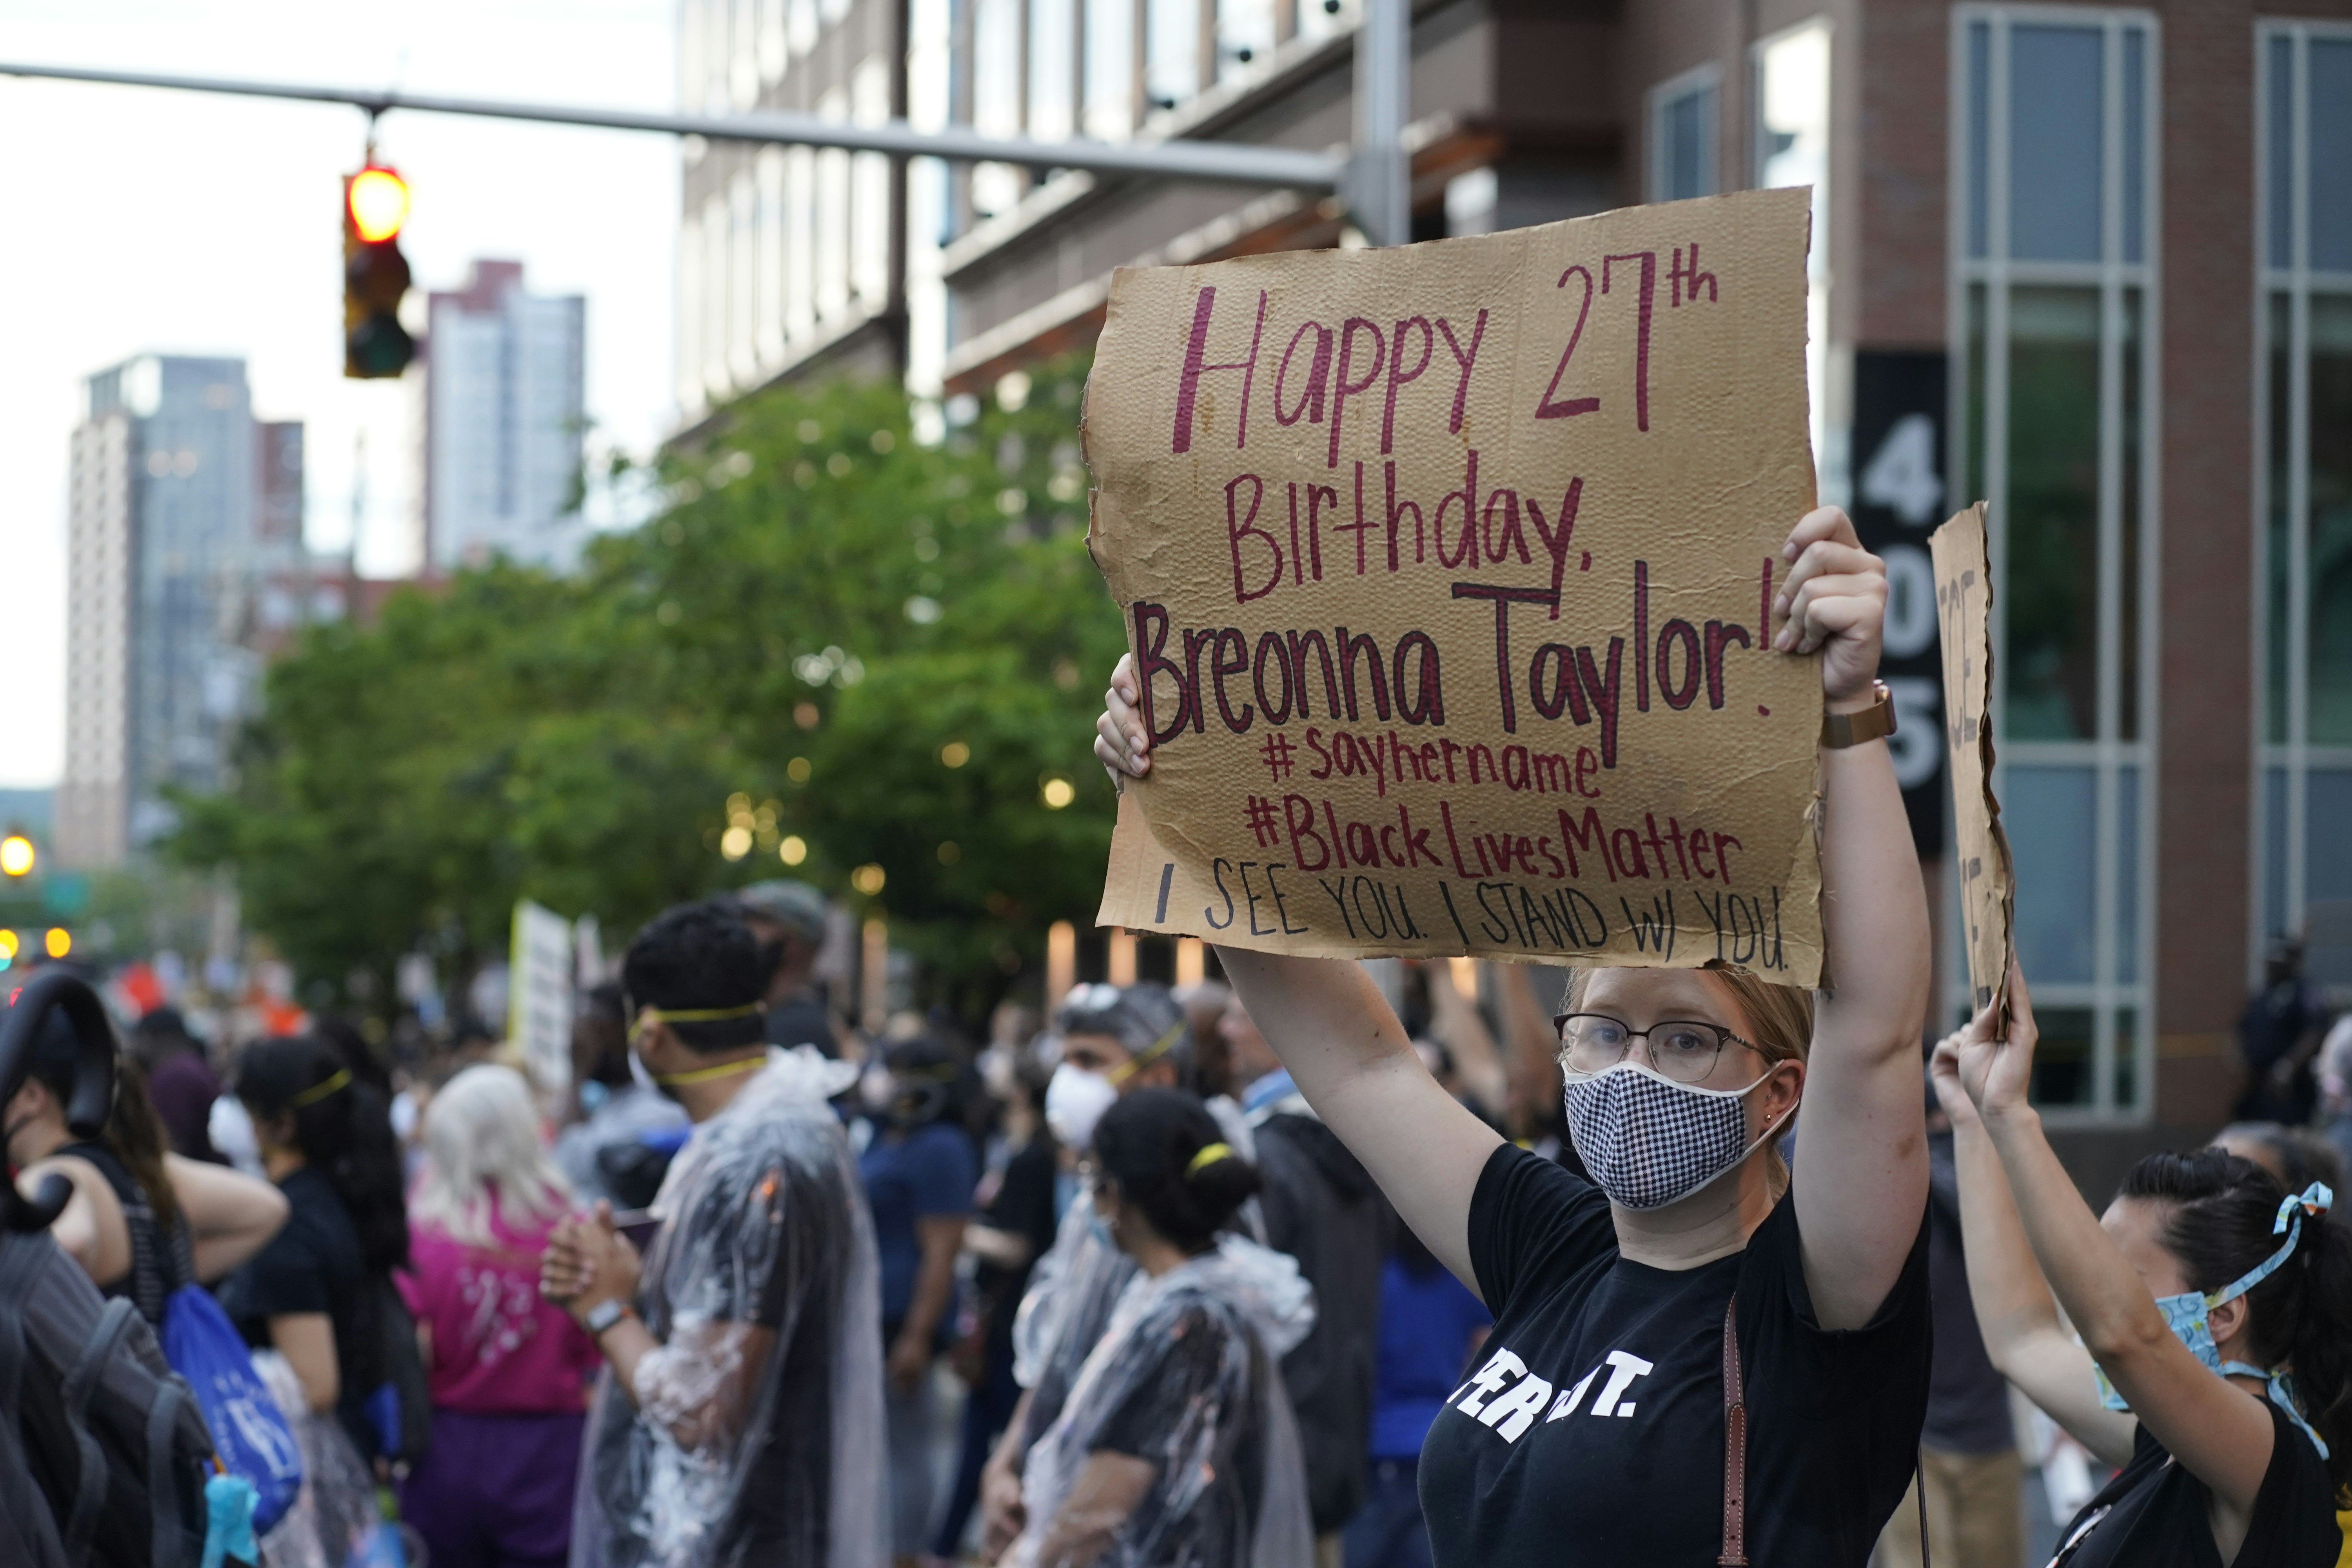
(1448, 574)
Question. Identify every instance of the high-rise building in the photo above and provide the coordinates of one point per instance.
(177, 500)
(503, 424)
(2090, 263)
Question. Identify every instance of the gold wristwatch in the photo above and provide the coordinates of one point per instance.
(1871, 723)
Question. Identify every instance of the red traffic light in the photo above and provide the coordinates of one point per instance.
(376, 202)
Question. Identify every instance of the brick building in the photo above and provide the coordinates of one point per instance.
(2091, 263)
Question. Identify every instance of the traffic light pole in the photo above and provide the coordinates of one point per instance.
(1220, 161)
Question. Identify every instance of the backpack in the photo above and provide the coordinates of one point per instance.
(113, 1449)
(103, 1449)
(400, 1411)
(251, 1434)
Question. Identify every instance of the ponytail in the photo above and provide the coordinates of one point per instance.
(2318, 1343)
(343, 1128)
(1165, 1152)
(2220, 1227)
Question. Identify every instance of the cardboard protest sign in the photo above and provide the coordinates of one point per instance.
(1448, 572)
(1964, 609)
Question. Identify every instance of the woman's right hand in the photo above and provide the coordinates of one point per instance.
(1121, 744)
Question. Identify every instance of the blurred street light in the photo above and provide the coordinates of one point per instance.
(1058, 794)
(792, 851)
(16, 856)
(58, 941)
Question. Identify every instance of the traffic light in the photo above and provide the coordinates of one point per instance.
(375, 275)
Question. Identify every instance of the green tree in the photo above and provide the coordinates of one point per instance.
(833, 638)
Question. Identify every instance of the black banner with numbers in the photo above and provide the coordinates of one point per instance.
(1898, 499)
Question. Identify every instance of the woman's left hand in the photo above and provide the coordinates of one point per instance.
(1835, 599)
(1996, 1071)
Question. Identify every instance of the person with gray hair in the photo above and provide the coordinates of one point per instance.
(788, 919)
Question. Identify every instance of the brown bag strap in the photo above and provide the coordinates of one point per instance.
(1735, 1445)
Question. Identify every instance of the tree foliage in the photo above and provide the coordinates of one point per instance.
(831, 633)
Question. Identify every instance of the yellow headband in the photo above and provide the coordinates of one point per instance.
(704, 1075)
(340, 1079)
(1146, 1057)
(648, 1017)
(1209, 1155)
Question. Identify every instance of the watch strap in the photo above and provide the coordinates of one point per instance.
(1871, 723)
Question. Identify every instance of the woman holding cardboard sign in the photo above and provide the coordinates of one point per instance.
(1694, 1326)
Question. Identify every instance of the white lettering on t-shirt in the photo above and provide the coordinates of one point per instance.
(1567, 1403)
(1625, 1367)
(1500, 1368)
(1516, 1411)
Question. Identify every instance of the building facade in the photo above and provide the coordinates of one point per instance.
(2091, 264)
(178, 499)
(503, 424)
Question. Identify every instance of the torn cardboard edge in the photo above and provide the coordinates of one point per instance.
(1988, 876)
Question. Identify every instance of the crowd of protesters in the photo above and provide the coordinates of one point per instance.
(1321, 1263)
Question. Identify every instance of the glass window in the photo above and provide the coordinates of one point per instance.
(1171, 66)
(2054, 288)
(2055, 105)
(2052, 815)
(1683, 137)
(2305, 506)
(1110, 69)
(1791, 76)
(2329, 105)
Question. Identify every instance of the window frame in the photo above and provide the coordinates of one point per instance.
(1707, 78)
(2105, 994)
(2296, 756)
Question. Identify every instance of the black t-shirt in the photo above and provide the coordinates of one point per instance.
(2152, 1515)
(1591, 1434)
(1190, 1375)
(315, 1265)
(1023, 1205)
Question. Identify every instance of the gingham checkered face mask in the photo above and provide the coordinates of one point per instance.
(1647, 1140)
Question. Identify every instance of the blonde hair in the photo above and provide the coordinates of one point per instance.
(1779, 1026)
(484, 1160)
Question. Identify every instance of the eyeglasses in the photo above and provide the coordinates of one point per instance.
(1683, 1049)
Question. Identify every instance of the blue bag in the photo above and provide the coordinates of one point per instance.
(249, 1433)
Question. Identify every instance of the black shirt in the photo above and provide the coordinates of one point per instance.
(1194, 1517)
(1024, 1205)
(1591, 1434)
(315, 1265)
(162, 1256)
(2152, 1515)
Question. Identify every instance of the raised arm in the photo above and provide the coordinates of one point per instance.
(2024, 1334)
(1862, 1177)
(2219, 1433)
(230, 1215)
(1345, 1049)
(1456, 1022)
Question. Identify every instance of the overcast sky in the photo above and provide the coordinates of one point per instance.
(139, 220)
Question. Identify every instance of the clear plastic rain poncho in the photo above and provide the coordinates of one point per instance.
(335, 1522)
(757, 1435)
(1078, 1283)
(1187, 1378)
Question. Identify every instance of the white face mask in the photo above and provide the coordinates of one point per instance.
(1075, 1101)
(1648, 1141)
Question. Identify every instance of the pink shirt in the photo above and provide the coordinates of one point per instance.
(497, 1346)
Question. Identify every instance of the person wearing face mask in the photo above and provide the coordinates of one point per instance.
(1176, 1447)
(1114, 1041)
(739, 1418)
(789, 920)
(2212, 1352)
(1697, 1357)
(920, 1171)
